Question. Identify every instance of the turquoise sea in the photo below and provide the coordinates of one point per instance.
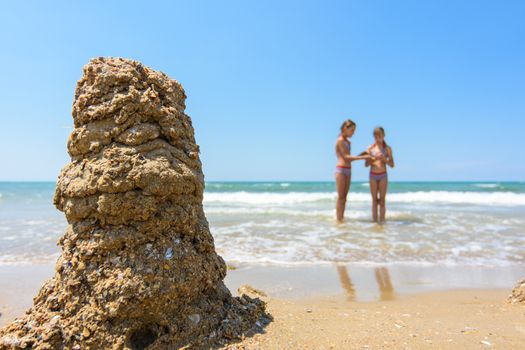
(292, 223)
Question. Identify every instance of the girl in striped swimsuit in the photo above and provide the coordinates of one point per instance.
(382, 156)
(343, 169)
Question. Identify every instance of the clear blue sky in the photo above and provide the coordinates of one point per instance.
(269, 82)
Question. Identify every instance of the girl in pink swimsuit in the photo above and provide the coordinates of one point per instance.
(343, 168)
(381, 156)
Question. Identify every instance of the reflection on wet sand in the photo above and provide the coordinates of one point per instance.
(346, 282)
(382, 277)
(386, 289)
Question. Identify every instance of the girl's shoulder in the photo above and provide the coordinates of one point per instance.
(342, 139)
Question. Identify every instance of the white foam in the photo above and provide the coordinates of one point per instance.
(223, 210)
(393, 215)
(266, 197)
(486, 185)
(419, 197)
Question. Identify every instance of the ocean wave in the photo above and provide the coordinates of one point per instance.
(266, 197)
(250, 261)
(355, 214)
(28, 259)
(303, 252)
(419, 197)
(222, 210)
(487, 185)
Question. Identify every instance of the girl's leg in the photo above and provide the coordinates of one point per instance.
(347, 185)
(373, 192)
(383, 186)
(340, 183)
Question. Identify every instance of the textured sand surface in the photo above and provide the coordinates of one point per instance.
(453, 319)
(467, 319)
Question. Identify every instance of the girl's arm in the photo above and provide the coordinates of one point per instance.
(352, 158)
(343, 150)
(390, 161)
(369, 160)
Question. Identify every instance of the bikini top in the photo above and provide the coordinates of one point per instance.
(349, 145)
(375, 153)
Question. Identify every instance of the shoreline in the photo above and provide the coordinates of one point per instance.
(366, 283)
(352, 306)
(354, 283)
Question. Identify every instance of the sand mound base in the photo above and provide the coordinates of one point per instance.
(518, 293)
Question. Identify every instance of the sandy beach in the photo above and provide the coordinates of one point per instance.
(395, 307)
(352, 307)
(459, 319)
(262, 175)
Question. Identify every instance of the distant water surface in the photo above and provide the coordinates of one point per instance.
(292, 223)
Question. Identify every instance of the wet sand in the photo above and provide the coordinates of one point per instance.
(465, 319)
(365, 283)
(353, 306)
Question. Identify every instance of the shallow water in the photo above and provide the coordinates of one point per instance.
(292, 223)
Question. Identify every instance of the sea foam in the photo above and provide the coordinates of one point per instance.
(422, 197)
(487, 185)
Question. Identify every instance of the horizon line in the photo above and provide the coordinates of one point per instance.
(296, 181)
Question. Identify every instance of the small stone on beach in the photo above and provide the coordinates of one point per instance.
(195, 318)
(250, 291)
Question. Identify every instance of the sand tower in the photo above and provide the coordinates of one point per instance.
(138, 268)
